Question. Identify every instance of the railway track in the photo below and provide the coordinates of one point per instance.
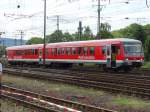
(141, 72)
(118, 78)
(46, 103)
(117, 83)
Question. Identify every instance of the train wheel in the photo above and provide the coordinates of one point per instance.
(116, 70)
(105, 69)
(81, 64)
(126, 69)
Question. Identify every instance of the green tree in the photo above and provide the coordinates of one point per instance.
(147, 48)
(75, 36)
(118, 33)
(105, 31)
(56, 36)
(147, 29)
(135, 31)
(139, 32)
(67, 37)
(87, 33)
(2, 50)
(35, 40)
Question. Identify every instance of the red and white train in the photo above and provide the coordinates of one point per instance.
(109, 53)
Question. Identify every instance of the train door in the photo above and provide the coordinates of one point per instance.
(40, 56)
(113, 55)
(108, 56)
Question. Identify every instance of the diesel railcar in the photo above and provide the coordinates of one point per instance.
(108, 53)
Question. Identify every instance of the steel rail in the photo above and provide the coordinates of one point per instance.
(108, 86)
(140, 72)
(137, 82)
(28, 104)
(75, 105)
(134, 74)
(85, 74)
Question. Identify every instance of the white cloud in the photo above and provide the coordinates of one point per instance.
(70, 14)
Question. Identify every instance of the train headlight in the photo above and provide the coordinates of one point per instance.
(141, 60)
(126, 59)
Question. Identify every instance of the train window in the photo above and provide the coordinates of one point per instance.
(80, 50)
(108, 51)
(68, 51)
(40, 52)
(115, 49)
(85, 50)
(58, 51)
(73, 51)
(104, 50)
(54, 51)
(32, 50)
(92, 50)
(18, 52)
(63, 51)
(28, 52)
(22, 52)
(118, 50)
(47, 52)
(36, 52)
(25, 52)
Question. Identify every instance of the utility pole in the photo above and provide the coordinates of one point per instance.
(21, 34)
(139, 20)
(57, 22)
(80, 30)
(57, 27)
(98, 24)
(15, 41)
(3, 46)
(44, 32)
(2, 43)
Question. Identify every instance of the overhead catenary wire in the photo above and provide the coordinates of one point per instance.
(76, 14)
(147, 4)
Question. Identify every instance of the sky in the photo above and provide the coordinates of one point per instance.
(29, 16)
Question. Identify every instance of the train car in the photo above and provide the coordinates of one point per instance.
(108, 53)
(25, 54)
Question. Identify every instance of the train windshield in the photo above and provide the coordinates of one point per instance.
(133, 49)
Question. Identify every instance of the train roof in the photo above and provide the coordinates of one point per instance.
(35, 46)
(92, 42)
(75, 43)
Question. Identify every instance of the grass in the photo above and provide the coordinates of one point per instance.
(8, 106)
(65, 91)
(43, 86)
(131, 102)
(146, 65)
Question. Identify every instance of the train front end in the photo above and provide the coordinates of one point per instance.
(133, 54)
